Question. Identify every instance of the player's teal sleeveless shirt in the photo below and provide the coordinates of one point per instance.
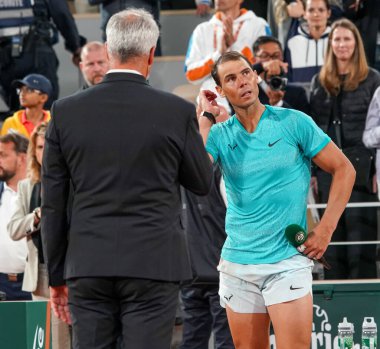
(267, 176)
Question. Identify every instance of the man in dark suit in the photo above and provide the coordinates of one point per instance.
(126, 148)
(269, 62)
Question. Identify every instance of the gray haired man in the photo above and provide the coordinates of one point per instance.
(127, 148)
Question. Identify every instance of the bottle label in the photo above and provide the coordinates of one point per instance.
(345, 343)
(369, 343)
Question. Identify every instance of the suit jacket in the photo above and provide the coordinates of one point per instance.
(20, 227)
(126, 147)
(204, 218)
(295, 98)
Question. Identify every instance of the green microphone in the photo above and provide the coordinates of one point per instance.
(296, 235)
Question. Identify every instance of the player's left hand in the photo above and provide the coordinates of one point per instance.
(317, 242)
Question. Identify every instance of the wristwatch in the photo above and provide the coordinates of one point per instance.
(209, 116)
(37, 213)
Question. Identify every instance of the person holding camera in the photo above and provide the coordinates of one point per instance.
(274, 88)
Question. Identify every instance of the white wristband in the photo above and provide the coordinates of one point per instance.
(301, 248)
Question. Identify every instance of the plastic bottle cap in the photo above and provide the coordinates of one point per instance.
(369, 323)
(346, 326)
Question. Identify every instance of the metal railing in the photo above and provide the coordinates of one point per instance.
(350, 205)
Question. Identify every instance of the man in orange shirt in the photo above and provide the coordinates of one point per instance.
(33, 91)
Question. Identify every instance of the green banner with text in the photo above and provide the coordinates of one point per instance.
(335, 300)
(25, 325)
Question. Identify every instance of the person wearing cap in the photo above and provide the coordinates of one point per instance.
(34, 91)
(28, 32)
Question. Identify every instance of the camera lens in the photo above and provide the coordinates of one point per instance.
(275, 83)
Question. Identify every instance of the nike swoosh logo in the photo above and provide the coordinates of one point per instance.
(272, 144)
(295, 288)
(228, 298)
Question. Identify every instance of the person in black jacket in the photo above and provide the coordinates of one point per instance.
(126, 148)
(339, 100)
(28, 31)
(269, 63)
(204, 218)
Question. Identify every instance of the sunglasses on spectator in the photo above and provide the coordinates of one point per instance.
(26, 89)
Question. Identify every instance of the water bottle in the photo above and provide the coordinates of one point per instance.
(345, 334)
(369, 333)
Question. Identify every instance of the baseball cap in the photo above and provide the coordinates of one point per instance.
(35, 82)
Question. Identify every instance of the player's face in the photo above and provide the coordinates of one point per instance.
(238, 83)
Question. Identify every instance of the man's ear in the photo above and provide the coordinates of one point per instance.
(220, 91)
(151, 55)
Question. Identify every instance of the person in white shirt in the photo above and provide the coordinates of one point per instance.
(13, 254)
(232, 28)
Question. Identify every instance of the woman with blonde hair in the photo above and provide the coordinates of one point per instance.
(339, 101)
(25, 223)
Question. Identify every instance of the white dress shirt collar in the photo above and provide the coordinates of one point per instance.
(131, 71)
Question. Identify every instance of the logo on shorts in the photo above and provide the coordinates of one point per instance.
(232, 147)
(295, 288)
(228, 298)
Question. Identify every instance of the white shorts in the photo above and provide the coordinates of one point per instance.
(250, 288)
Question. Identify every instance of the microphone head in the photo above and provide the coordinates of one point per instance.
(295, 234)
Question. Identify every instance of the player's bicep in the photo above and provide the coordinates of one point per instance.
(330, 158)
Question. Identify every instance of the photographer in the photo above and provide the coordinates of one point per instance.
(274, 88)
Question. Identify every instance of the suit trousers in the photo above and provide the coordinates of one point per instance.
(141, 311)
